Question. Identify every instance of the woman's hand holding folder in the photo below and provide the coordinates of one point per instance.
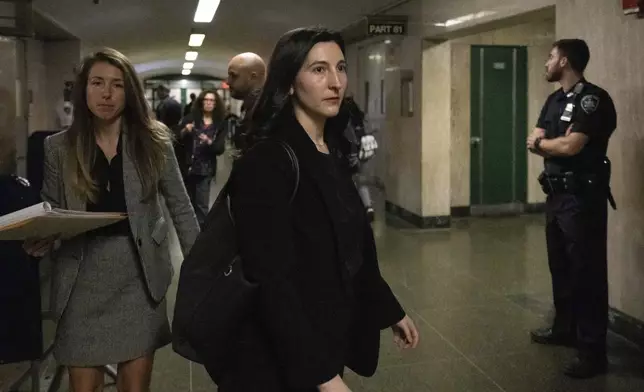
(39, 247)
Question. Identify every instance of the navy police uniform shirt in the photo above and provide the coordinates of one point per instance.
(588, 109)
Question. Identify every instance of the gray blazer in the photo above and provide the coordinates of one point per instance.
(148, 225)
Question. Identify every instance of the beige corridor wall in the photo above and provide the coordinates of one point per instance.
(436, 130)
(8, 76)
(538, 37)
(616, 43)
(402, 156)
(61, 59)
(40, 117)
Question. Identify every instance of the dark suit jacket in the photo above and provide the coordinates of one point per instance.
(311, 320)
(148, 225)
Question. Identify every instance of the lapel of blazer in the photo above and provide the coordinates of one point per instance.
(132, 183)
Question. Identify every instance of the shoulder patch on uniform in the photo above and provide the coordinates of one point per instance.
(589, 103)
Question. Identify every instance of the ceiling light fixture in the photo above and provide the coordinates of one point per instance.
(185, 72)
(465, 18)
(188, 65)
(196, 40)
(191, 56)
(206, 10)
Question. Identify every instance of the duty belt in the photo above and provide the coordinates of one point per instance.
(573, 183)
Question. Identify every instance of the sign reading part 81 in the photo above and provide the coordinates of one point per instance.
(395, 28)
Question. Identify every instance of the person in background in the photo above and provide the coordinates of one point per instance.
(246, 76)
(363, 148)
(64, 111)
(188, 108)
(203, 132)
(109, 285)
(169, 112)
(322, 300)
(232, 122)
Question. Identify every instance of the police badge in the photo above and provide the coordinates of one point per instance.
(589, 103)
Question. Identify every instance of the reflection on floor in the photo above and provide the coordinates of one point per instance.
(475, 291)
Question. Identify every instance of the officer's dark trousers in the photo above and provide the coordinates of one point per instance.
(576, 233)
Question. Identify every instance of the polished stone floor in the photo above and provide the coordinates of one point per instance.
(475, 291)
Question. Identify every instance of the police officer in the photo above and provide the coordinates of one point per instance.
(363, 146)
(572, 135)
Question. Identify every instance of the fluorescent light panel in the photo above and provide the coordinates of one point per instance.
(206, 10)
(465, 18)
(191, 56)
(188, 65)
(196, 39)
(185, 72)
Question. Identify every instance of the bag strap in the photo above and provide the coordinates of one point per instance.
(295, 164)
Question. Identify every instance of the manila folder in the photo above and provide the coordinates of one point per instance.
(41, 220)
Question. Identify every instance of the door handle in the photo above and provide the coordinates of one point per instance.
(475, 140)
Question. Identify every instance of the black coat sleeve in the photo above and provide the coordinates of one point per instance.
(262, 187)
(382, 306)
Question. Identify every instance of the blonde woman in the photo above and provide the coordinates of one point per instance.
(109, 285)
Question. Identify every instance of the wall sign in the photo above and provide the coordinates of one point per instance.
(372, 26)
(390, 28)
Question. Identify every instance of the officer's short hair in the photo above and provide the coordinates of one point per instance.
(576, 51)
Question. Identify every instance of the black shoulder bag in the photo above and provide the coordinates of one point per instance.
(214, 296)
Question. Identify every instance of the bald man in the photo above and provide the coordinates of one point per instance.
(246, 76)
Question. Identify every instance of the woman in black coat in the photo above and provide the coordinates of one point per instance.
(322, 300)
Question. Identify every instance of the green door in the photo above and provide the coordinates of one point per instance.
(499, 125)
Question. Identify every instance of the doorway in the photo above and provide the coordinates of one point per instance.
(499, 94)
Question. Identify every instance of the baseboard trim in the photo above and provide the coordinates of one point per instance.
(461, 212)
(626, 326)
(524, 208)
(422, 222)
(534, 208)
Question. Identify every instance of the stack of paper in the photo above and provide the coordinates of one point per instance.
(41, 220)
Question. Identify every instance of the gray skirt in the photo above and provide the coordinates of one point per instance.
(110, 317)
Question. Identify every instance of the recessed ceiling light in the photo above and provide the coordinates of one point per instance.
(188, 65)
(196, 39)
(191, 56)
(206, 10)
(185, 72)
(465, 18)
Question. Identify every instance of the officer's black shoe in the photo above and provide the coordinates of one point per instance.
(547, 336)
(587, 366)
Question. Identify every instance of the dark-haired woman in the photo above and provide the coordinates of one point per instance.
(204, 135)
(322, 300)
(109, 285)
